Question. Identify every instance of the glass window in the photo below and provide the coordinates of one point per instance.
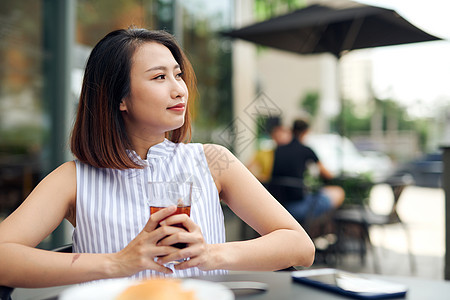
(22, 127)
(210, 55)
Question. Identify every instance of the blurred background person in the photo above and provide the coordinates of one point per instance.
(262, 162)
(291, 161)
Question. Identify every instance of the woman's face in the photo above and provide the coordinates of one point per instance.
(158, 95)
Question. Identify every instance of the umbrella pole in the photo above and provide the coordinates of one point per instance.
(340, 124)
(341, 117)
(446, 185)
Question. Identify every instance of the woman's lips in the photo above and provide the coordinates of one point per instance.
(178, 107)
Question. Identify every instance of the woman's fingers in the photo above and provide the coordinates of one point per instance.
(190, 233)
(159, 267)
(159, 236)
(199, 258)
(180, 219)
(185, 253)
(174, 229)
(176, 256)
(140, 255)
(196, 246)
(156, 242)
(158, 216)
(180, 236)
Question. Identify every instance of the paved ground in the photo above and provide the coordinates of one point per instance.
(422, 209)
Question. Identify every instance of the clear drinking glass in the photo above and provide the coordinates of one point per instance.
(164, 194)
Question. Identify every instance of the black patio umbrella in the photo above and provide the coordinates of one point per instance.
(335, 27)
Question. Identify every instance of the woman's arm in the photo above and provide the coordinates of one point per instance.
(283, 242)
(42, 211)
(22, 265)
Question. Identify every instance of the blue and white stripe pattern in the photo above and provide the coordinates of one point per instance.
(111, 207)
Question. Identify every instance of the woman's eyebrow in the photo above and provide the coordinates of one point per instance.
(163, 68)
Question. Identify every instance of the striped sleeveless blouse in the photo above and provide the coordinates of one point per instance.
(111, 207)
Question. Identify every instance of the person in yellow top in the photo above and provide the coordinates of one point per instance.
(262, 162)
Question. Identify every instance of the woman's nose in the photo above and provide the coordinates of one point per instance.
(179, 88)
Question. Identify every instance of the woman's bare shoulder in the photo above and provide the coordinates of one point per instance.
(219, 161)
(67, 167)
(215, 151)
(66, 172)
(219, 158)
(60, 185)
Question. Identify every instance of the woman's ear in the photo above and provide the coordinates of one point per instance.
(123, 105)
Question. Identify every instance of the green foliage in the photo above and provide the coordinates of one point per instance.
(311, 182)
(394, 117)
(21, 140)
(357, 188)
(422, 129)
(310, 102)
(265, 9)
(211, 59)
(348, 122)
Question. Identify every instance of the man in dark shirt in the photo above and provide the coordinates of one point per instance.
(290, 164)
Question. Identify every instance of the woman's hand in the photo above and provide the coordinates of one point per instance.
(197, 250)
(139, 254)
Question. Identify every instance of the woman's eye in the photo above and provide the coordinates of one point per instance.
(180, 75)
(160, 77)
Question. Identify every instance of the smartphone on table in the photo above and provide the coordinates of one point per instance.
(350, 284)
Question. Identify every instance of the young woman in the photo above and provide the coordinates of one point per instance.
(132, 121)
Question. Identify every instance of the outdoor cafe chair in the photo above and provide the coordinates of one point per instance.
(362, 218)
(286, 190)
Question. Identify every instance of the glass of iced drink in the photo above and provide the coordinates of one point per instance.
(164, 194)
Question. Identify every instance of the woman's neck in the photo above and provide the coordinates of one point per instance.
(141, 146)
